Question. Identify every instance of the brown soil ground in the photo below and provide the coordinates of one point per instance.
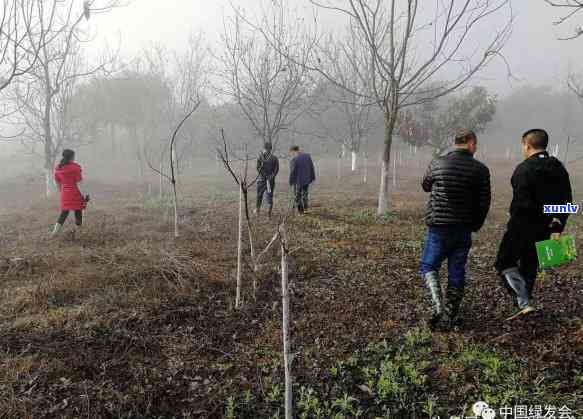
(122, 320)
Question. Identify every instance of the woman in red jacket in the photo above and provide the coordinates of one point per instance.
(67, 176)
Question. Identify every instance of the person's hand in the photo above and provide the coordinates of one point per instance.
(555, 226)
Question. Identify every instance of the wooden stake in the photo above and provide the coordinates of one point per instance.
(239, 249)
(286, 321)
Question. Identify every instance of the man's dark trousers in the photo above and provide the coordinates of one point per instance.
(518, 249)
(448, 242)
(262, 189)
(301, 197)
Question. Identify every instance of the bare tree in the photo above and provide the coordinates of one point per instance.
(410, 46)
(189, 81)
(571, 8)
(270, 88)
(172, 177)
(56, 69)
(184, 76)
(356, 115)
(243, 181)
(20, 37)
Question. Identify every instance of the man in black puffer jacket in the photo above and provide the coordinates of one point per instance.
(538, 181)
(459, 202)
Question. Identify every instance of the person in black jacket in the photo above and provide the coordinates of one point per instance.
(539, 180)
(301, 175)
(459, 202)
(268, 168)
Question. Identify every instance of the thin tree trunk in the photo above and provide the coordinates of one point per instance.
(50, 186)
(354, 155)
(285, 299)
(251, 242)
(175, 159)
(49, 153)
(384, 186)
(339, 167)
(239, 249)
(176, 233)
(365, 166)
(383, 201)
(395, 171)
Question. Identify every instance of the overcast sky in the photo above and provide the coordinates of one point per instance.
(535, 54)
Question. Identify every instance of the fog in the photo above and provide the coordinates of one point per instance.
(534, 52)
(528, 80)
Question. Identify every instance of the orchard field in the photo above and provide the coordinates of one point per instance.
(124, 321)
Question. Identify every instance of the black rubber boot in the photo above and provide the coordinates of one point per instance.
(434, 287)
(455, 297)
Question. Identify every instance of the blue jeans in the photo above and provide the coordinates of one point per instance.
(448, 242)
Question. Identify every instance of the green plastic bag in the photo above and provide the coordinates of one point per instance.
(553, 253)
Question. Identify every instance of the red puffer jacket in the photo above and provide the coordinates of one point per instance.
(67, 178)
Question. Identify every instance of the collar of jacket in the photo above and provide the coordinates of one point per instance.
(540, 155)
(459, 150)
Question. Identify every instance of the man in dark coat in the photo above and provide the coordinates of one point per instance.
(459, 201)
(268, 168)
(301, 175)
(539, 180)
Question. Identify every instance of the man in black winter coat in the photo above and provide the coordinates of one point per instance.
(539, 180)
(268, 168)
(459, 202)
(301, 175)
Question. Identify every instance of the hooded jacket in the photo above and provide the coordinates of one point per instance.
(67, 177)
(459, 188)
(537, 181)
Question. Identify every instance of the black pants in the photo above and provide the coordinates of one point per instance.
(262, 189)
(301, 196)
(518, 250)
(65, 214)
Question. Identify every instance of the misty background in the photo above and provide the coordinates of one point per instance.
(529, 83)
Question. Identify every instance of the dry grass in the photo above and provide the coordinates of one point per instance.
(121, 320)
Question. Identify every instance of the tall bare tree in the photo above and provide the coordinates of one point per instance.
(57, 67)
(416, 52)
(270, 88)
